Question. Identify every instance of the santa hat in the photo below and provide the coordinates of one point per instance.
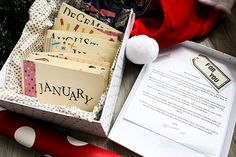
(171, 22)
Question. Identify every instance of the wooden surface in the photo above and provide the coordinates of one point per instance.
(222, 38)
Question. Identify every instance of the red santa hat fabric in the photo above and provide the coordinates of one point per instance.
(177, 21)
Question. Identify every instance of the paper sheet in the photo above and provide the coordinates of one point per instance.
(175, 101)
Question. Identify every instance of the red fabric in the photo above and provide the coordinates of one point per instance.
(47, 140)
(180, 20)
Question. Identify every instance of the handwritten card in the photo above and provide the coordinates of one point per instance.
(92, 52)
(73, 26)
(63, 82)
(55, 37)
(67, 11)
(73, 57)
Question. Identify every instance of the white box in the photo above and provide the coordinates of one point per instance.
(98, 127)
(127, 133)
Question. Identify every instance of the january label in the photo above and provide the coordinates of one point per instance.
(211, 72)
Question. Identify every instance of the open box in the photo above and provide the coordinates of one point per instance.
(98, 127)
(176, 65)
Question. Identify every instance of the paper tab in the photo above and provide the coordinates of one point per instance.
(211, 72)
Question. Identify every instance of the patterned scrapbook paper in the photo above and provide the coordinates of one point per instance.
(29, 78)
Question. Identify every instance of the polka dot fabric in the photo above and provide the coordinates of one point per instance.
(26, 136)
(33, 134)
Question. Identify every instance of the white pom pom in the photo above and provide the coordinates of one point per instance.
(142, 49)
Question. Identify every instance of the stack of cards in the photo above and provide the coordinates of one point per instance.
(74, 68)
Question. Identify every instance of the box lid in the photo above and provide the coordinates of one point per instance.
(148, 143)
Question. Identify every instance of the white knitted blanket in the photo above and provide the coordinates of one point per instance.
(225, 5)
